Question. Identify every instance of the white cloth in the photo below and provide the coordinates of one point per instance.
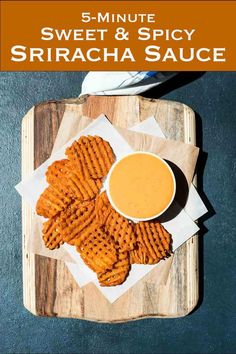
(122, 82)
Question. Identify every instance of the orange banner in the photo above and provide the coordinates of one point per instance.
(117, 35)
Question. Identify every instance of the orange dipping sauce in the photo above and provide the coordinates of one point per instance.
(141, 186)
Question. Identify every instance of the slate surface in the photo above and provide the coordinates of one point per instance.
(209, 329)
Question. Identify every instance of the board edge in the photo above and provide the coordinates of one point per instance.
(28, 259)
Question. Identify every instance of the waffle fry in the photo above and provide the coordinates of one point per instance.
(140, 256)
(117, 227)
(83, 189)
(118, 273)
(154, 239)
(98, 251)
(63, 175)
(57, 170)
(91, 156)
(76, 222)
(51, 201)
(121, 230)
(102, 208)
(51, 234)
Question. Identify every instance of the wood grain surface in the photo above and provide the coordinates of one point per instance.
(49, 289)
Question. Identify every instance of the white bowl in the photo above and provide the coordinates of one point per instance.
(108, 187)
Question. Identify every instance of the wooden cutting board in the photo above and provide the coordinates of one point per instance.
(49, 289)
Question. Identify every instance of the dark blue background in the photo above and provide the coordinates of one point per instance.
(209, 329)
